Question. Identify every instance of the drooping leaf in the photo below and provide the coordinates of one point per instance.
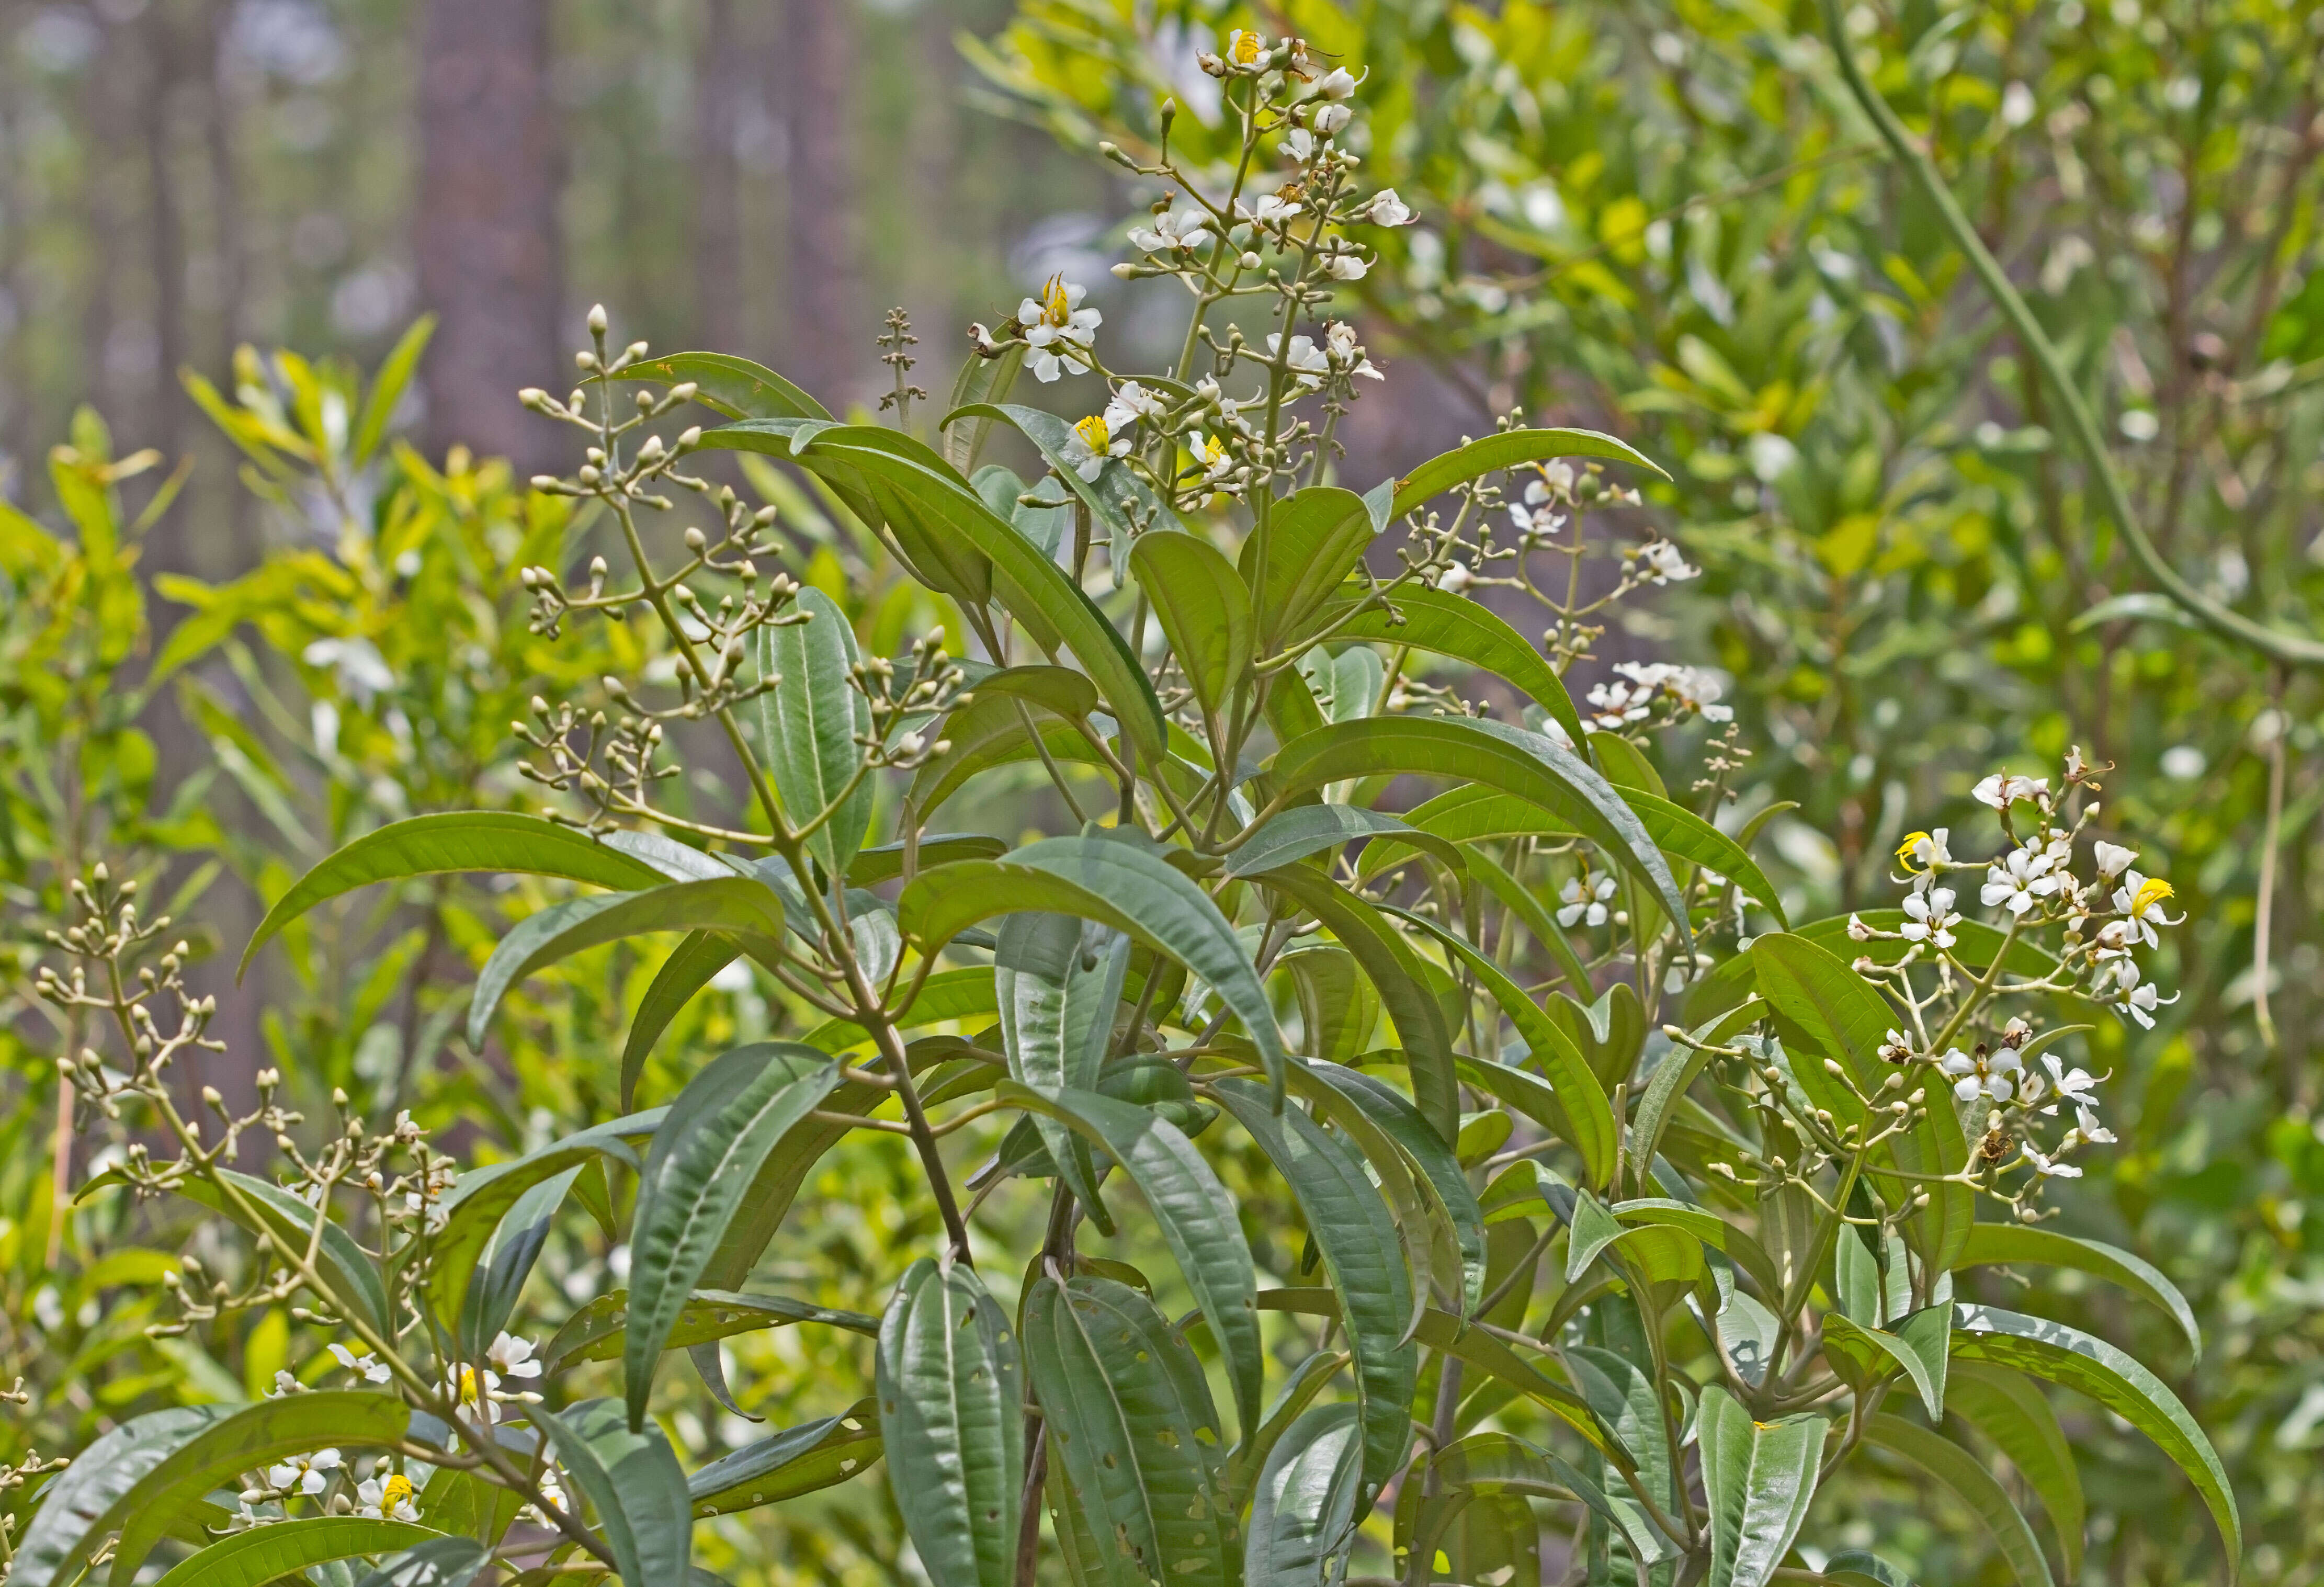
(1058, 980)
(952, 1422)
(1758, 1478)
(730, 385)
(506, 1262)
(1338, 1009)
(1854, 1567)
(1350, 1226)
(436, 1562)
(1735, 1243)
(1991, 1244)
(691, 966)
(1916, 1346)
(83, 1504)
(1303, 1512)
(719, 1134)
(599, 1330)
(2012, 1411)
(1204, 609)
(1196, 1214)
(797, 1459)
(632, 1480)
(2074, 1359)
(1444, 623)
(1313, 829)
(268, 1554)
(1388, 1111)
(1958, 1471)
(883, 862)
(461, 840)
(1507, 449)
(980, 380)
(1622, 1393)
(1131, 1422)
(1312, 542)
(809, 724)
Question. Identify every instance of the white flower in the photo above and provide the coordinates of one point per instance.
(1931, 917)
(2018, 881)
(1346, 266)
(1336, 83)
(1987, 1075)
(552, 1491)
(2001, 791)
(304, 1473)
(365, 1365)
(986, 342)
(284, 1383)
(1090, 443)
(2079, 1086)
(1923, 853)
(1057, 329)
(472, 1390)
(1282, 205)
(1387, 209)
(1858, 931)
(1341, 346)
(2112, 858)
(1584, 900)
(1299, 144)
(387, 1497)
(1896, 1049)
(1131, 402)
(1211, 455)
(1173, 231)
(2140, 898)
(1663, 563)
(2050, 1167)
(1456, 578)
(1304, 359)
(514, 1356)
(1331, 119)
(2088, 1128)
(1245, 48)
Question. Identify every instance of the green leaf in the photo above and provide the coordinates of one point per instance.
(1303, 1512)
(84, 1503)
(2074, 1359)
(437, 1562)
(706, 1154)
(1399, 973)
(1588, 1119)
(994, 729)
(1593, 1229)
(733, 386)
(633, 1481)
(1622, 1394)
(1824, 1009)
(1506, 758)
(1118, 501)
(599, 1330)
(387, 385)
(1387, 1111)
(1204, 609)
(1197, 1216)
(1058, 980)
(1975, 947)
(1758, 1478)
(285, 1548)
(794, 1460)
(1959, 1473)
(952, 1419)
(1854, 1567)
(466, 840)
(1916, 1346)
(1464, 630)
(1507, 449)
(1312, 540)
(1707, 1227)
(2014, 1412)
(980, 380)
(250, 1437)
(1116, 881)
(1313, 829)
(1350, 1226)
(809, 726)
(1132, 1425)
(1991, 1244)
(724, 903)
(885, 861)
(691, 966)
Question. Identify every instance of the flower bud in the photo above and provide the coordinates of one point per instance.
(597, 319)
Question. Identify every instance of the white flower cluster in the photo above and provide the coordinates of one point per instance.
(1640, 689)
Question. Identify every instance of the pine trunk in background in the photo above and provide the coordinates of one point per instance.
(828, 344)
(719, 90)
(490, 256)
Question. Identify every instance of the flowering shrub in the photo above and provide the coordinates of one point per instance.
(1586, 1205)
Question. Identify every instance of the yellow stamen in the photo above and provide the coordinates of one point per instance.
(1093, 432)
(395, 1490)
(1209, 450)
(2152, 890)
(1056, 309)
(1245, 49)
(1907, 853)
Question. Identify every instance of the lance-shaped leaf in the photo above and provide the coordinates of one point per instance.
(1118, 499)
(1312, 542)
(1204, 609)
(83, 1504)
(1132, 1425)
(2074, 1359)
(506, 1262)
(734, 387)
(1916, 1346)
(1506, 758)
(1337, 1090)
(1303, 1512)
(951, 1420)
(1113, 880)
(1976, 945)
(437, 1562)
(633, 1481)
(997, 727)
(2021, 1244)
(1757, 1478)
(797, 1459)
(1589, 1117)
(1677, 1071)
(1707, 1226)
(719, 1134)
(724, 903)
(599, 1330)
(1958, 1471)
(884, 862)
(1058, 980)
(1452, 625)
(1497, 1463)
(690, 967)
(1827, 1009)
(1312, 829)
(461, 840)
(215, 1455)
(809, 726)
(1196, 1213)
(1856, 1567)
(1507, 449)
(2014, 1412)
(1399, 973)
(1351, 1228)
(286, 1548)
(980, 380)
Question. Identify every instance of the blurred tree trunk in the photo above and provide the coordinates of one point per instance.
(719, 86)
(828, 339)
(489, 259)
(165, 53)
